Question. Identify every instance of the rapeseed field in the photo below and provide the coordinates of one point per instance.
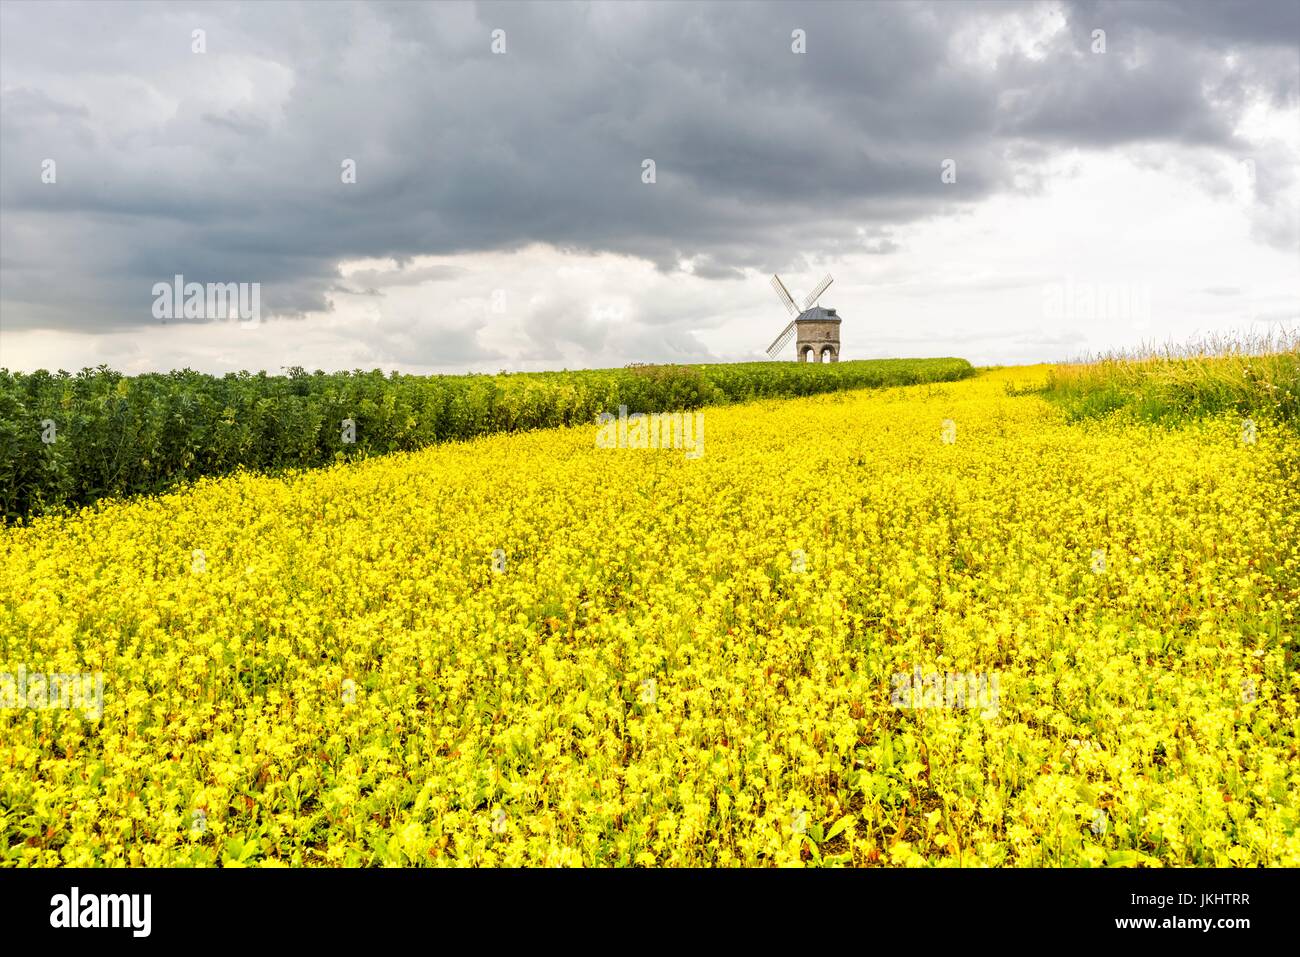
(930, 625)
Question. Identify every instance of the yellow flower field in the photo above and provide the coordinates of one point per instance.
(678, 661)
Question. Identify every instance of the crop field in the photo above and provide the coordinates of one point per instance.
(946, 624)
(70, 440)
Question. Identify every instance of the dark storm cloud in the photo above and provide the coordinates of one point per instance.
(1214, 24)
(225, 166)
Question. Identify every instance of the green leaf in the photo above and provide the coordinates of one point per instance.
(839, 827)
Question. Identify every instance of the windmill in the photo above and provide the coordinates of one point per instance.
(816, 331)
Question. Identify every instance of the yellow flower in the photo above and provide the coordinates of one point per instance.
(649, 677)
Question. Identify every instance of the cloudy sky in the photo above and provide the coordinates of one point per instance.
(1102, 189)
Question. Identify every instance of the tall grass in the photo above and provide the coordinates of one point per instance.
(1251, 374)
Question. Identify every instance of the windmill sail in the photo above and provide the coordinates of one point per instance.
(784, 295)
(781, 341)
(821, 288)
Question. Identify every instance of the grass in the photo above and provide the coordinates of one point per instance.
(1257, 376)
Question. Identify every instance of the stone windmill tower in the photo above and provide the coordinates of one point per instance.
(815, 331)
